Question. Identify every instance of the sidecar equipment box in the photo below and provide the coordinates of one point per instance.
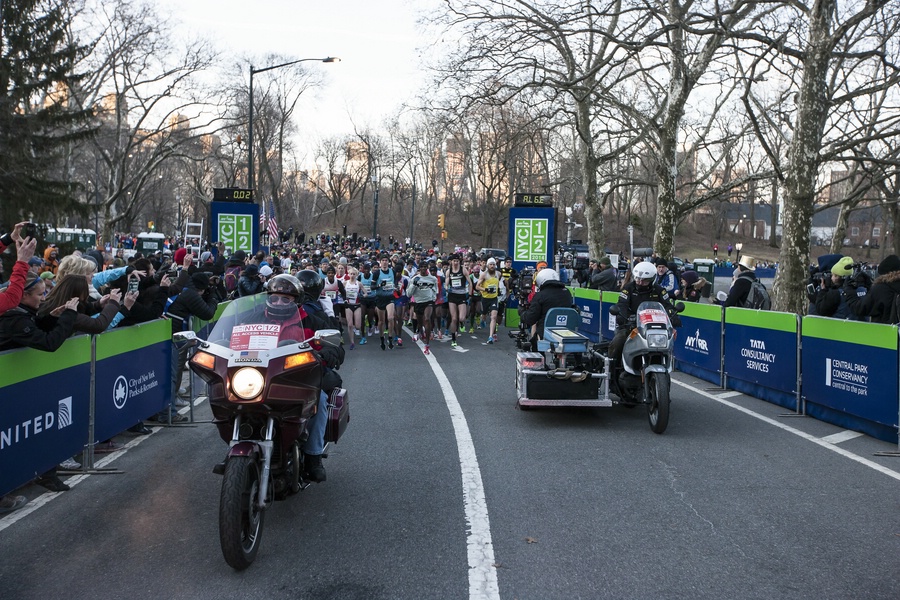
(536, 387)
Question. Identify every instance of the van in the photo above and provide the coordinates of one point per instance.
(498, 253)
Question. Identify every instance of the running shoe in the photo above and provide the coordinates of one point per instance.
(390, 343)
(427, 350)
(453, 344)
(352, 345)
(490, 339)
(482, 325)
(382, 343)
(399, 342)
(415, 337)
(362, 342)
(472, 329)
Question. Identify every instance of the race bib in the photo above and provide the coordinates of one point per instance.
(456, 282)
(352, 294)
(491, 289)
(387, 285)
(366, 290)
(331, 294)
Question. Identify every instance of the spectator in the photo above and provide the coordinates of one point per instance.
(11, 297)
(250, 282)
(829, 300)
(77, 287)
(605, 277)
(880, 301)
(19, 329)
(691, 287)
(665, 278)
(744, 277)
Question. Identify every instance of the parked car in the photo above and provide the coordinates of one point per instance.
(497, 253)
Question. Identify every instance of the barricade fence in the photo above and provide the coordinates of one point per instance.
(843, 372)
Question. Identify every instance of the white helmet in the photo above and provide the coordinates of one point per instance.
(643, 273)
(544, 276)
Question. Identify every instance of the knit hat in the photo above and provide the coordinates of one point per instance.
(201, 280)
(690, 277)
(179, 256)
(238, 256)
(843, 267)
(605, 261)
(890, 264)
(251, 270)
(265, 270)
(206, 256)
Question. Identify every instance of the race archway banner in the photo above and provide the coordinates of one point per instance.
(532, 236)
(850, 375)
(698, 343)
(761, 354)
(44, 409)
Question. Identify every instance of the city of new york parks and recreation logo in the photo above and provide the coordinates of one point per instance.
(124, 388)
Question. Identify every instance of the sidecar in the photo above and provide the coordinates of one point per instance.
(565, 370)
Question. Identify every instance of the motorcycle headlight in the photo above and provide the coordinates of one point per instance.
(247, 383)
(657, 340)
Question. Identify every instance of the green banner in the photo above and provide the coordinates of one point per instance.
(585, 293)
(777, 321)
(856, 332)
(128, 339)
(610, 297)
(20, 365)
(707, 312)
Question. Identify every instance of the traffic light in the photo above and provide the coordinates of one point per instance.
(441, 220)
(150, 225)
(443, 233)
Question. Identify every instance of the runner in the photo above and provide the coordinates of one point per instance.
(423, 291)
(507, 279)
(456, 278)
(489, 286)
(475, 309)
(384, 299)
(353, 307)
(367, 283)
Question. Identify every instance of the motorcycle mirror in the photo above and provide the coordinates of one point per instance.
(614, 309)
(679, 307)
(329, 336)
(184, 335)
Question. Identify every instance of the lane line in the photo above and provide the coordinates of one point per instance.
(728, 395)
(482, 573)
(811, 438)
(841, 436)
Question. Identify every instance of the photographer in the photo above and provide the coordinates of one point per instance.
(829, 300)
(878, 300)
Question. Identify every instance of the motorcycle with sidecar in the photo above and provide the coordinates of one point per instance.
(566, 369)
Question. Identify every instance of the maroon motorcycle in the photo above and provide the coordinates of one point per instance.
(262, 393)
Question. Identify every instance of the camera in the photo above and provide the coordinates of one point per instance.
(810, 289)
(133, 284)
(29, 230)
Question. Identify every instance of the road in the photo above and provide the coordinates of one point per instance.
(733, 501)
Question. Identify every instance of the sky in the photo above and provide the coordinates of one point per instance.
(376, 40)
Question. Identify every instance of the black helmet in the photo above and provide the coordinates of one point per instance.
(311, 286)
(284, 285)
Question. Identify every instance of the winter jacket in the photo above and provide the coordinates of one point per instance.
(247, 286)
(605, 280)
(11, 297)
(191, 302)
(632, 297)
(553, 294)
(877, 302)
(19, 329)
(740, 289)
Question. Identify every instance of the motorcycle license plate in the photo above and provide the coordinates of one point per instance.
(653, 316)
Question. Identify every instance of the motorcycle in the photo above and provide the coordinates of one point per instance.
(262, 394)
(643, 377)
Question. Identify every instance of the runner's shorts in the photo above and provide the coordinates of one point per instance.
(489, 304)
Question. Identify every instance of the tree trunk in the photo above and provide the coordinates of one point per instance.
(593, 205)
(666, 202)
(840, 229)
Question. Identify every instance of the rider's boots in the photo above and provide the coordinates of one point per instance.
(315, 471)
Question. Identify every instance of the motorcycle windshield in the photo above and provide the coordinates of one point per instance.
(235, 326)
(652, 315)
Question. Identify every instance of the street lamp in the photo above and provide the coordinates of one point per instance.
(738, 247)
(251, 180)
(375, 204)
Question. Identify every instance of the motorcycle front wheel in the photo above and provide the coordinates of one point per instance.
(658, 402)
(240, 518)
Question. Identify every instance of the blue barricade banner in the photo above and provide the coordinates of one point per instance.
(44, 409)
(587, 303)
(608, 321)
(698, 343)
(761, 354)
(850, 375)
(133, 376)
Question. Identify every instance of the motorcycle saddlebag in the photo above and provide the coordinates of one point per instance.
(338, 415)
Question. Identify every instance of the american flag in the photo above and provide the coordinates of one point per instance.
(273, 224)
(262, 221)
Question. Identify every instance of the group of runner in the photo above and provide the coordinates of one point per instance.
(436, 297)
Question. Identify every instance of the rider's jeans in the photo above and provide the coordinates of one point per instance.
(315, 444)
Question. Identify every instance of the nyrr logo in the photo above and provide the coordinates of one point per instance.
(120, 392)
(696, 343)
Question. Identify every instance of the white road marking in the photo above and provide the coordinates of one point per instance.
(811, 438)
(731, 394)
(482, 573)
(841, 436)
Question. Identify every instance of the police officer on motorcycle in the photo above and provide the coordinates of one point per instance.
(551, 293)
(641, 288)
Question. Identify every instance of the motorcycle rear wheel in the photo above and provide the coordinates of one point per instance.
(240, 518)
(658, 402)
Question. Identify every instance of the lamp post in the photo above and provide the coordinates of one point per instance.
(738, 247)
(251, 180)
(375, 205)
